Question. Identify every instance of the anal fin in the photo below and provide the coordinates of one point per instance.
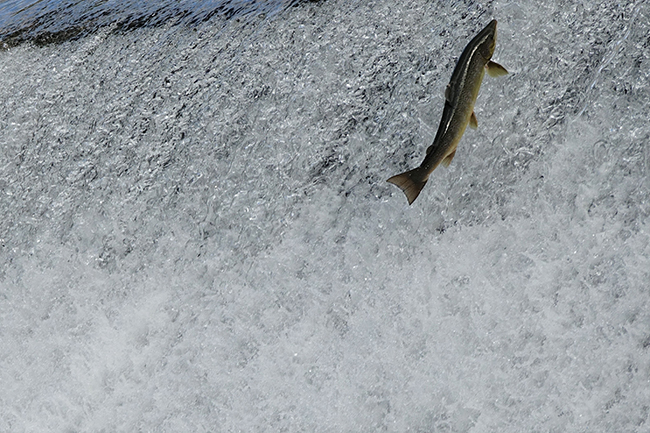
(448, 159)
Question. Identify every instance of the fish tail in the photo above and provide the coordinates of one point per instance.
(411, 182)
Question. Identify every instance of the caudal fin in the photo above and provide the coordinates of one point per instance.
(410, 182)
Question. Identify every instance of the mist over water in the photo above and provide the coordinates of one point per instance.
(197, 232)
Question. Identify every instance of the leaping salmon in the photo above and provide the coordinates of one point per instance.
(460, 96)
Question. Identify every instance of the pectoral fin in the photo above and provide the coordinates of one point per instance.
(473, 123)
(448, 159)
(495, 70)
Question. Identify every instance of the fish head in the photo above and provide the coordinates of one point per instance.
(487, 40)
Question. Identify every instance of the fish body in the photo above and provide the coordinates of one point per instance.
(460, 96)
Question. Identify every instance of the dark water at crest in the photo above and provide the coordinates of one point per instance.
(51, 21)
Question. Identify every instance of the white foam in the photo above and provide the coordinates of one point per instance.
(199, 236)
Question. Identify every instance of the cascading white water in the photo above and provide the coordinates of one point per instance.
(197, 232)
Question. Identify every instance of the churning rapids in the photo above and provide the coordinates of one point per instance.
(197, 233)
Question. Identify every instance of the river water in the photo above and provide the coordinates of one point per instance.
(197, 232)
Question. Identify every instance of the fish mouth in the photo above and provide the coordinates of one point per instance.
(489, 35)
(490, 28)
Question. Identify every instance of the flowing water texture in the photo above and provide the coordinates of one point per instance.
(197, 233)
